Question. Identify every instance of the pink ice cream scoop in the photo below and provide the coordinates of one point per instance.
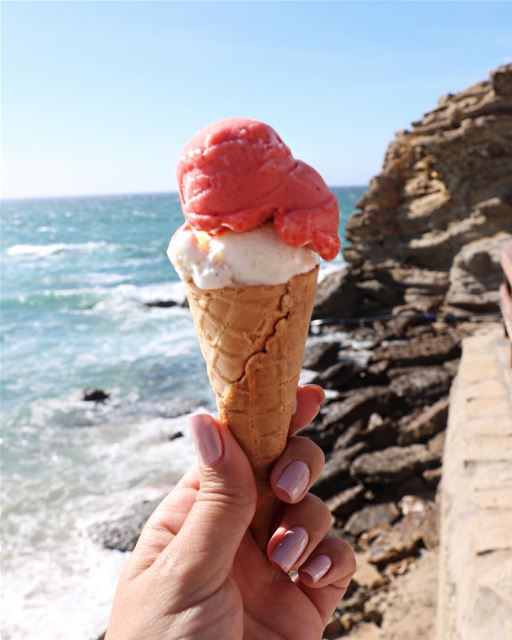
(238, 173)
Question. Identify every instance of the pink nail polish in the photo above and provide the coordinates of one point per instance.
(206, 437)
(294, 479)
(290, 549)
(317, 567)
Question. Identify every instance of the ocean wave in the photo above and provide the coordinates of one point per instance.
(44, 250)
(327, 268)
(127, 298)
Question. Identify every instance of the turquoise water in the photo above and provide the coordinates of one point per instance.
(75, 276)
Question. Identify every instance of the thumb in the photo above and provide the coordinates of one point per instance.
(206, 544)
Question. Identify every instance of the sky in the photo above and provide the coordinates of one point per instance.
(100, 97)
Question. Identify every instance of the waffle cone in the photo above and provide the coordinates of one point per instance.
(252, 339)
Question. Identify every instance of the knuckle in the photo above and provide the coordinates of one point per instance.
(226, 496)
(345, 554)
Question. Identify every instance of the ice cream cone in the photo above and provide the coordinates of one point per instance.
(252, 339)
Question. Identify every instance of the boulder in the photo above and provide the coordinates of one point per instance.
(420, 385)
(177, 407)
(476, 275)
(337, 375)
(90, 394)
(123, 532)
(350, 436)
(425, 425)
(336, 295)
(414, 353)
(161, 304)
(371, 516)
(379, 433)
(359, 405)
(502, 80)
(320, 354)
(337, 416)
(344, 503)
(432, 477)
(366, 574)
(392, 465)
(335, 475)
(405, 537)
(436, 444)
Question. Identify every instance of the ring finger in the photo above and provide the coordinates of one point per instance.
(302, 527)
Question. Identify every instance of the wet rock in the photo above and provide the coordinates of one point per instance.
(90, 394)
(371, 516)
(336, 296)
(347, 501)
(180, 407)
(122, 533)
(426, 424)
(393, 464)
(162, 304)
(320, 354)
(421, 385)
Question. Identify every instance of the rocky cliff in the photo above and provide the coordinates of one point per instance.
(422, 272)
(446, 182)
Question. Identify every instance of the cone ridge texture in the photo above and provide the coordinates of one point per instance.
(252, 339)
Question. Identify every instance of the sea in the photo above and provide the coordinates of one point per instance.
(78, 279)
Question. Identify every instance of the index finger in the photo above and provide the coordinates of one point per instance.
(309, 399)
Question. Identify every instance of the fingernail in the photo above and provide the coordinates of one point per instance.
(294, 479)
(290, 549)
(319, 392)
(206, 438)
(317, 567)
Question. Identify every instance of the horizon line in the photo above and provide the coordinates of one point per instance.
(134, 193)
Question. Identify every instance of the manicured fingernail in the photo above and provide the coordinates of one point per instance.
(317, 567)
(206, 438)
(290, 549)
(294, 479)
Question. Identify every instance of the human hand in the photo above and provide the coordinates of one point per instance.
(197, 573)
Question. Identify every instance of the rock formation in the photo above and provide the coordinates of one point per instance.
(422, 272)
(446, 182)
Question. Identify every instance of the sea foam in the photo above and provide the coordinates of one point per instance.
(43, 250)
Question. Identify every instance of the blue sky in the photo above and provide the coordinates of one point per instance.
(99, 97)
